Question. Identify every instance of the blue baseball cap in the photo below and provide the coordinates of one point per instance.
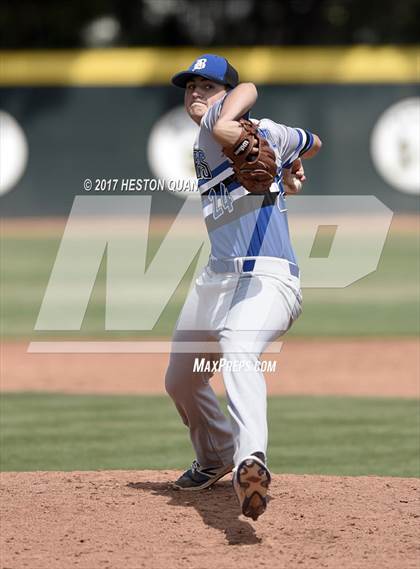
(211, 67)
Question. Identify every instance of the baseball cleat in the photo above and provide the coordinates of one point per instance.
(197, 478)
(251, 480)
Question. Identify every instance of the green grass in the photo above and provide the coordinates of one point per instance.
(382, 303)
(385, 303)
(328, 435)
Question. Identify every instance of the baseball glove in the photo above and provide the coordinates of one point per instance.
(255, 172)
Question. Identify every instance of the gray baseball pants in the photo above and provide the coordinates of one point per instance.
(235, 317)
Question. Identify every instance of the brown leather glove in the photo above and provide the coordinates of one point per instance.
(255, 172)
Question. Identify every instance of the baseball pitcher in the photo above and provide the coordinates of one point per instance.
(249, 293)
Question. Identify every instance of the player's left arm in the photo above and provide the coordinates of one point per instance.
(297, 168)
(314, 146)
(296, 171)
(237, 103)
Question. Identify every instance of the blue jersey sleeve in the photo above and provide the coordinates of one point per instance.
(298, 141)
(291, 142)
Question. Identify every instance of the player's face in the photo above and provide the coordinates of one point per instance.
(200, 94)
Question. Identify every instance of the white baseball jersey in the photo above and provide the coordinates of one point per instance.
(240, 224)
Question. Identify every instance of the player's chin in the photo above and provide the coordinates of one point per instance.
(197, 111)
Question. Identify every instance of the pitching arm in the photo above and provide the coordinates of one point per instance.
(238, 102)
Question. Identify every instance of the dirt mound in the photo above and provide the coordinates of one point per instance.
(130, 519)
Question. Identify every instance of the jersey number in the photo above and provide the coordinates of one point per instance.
(221, 202)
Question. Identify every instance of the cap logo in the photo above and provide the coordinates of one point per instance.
(199, 64)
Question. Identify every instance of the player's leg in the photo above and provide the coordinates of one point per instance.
(263, 309)
(198, 406)
(210, 430)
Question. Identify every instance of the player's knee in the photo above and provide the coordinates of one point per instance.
(172, 382)
(231, 346)
(177, 377)
(174, 388)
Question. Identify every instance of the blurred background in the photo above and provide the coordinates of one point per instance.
(85, 94)
(107, 23)
(84, 91)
